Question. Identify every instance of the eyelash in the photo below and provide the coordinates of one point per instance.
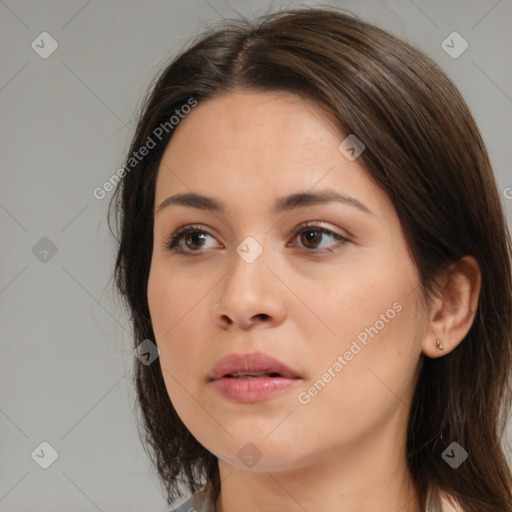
(171, 243)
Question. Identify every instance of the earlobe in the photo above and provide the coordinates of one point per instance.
(453, 311)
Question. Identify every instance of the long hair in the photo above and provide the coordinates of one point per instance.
(424, 150)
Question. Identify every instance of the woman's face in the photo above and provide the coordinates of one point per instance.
(344, 315)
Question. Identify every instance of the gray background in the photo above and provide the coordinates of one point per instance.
(65, 366)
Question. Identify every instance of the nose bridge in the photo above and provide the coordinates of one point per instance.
(248, 271)
(247, 292)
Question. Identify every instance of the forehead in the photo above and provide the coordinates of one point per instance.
(251, 126)
(259, 145)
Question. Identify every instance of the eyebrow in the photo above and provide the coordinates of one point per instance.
(284, 204)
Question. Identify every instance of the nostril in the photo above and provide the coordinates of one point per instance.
(227, 320)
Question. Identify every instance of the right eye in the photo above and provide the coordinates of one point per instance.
(192, 236)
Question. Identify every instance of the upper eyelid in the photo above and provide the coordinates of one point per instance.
(200, 229)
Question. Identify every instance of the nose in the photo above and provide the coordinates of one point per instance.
(250, 296)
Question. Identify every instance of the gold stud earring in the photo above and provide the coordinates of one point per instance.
(439, 345)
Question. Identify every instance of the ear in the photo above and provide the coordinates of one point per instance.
(453, 312)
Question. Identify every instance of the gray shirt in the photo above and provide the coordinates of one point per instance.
(203, 502)
(199, 502)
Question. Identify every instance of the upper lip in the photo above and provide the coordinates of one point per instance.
(253, 362)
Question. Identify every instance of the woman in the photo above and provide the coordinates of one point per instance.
(311, 234)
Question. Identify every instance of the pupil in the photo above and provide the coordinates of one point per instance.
(309, 239)
(194, 237)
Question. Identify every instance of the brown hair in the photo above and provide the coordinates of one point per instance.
(424, 150)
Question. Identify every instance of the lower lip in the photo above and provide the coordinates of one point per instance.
(252, 390)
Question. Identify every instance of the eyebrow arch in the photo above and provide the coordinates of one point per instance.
(291, 202)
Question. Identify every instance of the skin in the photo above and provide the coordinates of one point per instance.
(345, 449)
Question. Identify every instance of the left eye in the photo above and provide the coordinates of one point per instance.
(310, 237)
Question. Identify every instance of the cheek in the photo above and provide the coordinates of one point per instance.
(177, 314)
(170, 299)
(373, 383)
(353, 299)
(378, 324)
(160, 299)
(176, 357)
(168, 306)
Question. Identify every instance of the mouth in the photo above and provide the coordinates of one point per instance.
(255, 365)
(252, 375)
(250, 378)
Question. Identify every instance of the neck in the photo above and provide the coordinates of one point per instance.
(357, 480)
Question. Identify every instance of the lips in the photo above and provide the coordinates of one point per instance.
(252, 378)
(251, 366)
